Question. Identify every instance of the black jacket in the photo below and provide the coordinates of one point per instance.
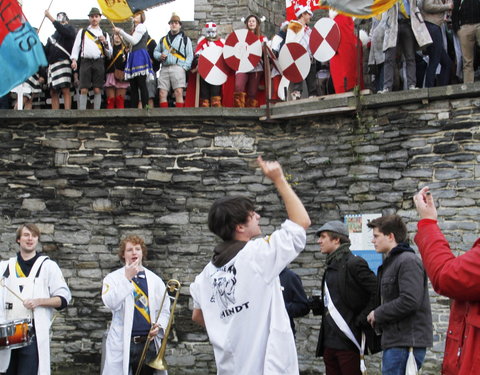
(357, 285)
(296, 301)
(465, 12)
(65, 36)
(404, 317)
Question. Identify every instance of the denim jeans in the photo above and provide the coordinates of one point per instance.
(394, 360)
(437, 55)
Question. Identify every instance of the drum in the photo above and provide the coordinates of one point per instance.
(21, 334)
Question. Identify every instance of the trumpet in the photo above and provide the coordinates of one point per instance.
(159, 363)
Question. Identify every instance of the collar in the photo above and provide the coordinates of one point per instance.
(226, 251)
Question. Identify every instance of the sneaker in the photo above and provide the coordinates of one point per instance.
(296, 95)
(413, 87)
(384, 91)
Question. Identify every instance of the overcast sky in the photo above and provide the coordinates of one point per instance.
(157, 18)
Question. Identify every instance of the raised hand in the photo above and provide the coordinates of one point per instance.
(425, 205)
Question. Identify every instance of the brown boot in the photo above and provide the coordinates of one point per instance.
(216, 101)
(204, 103)
(239, 99)
(252, 103)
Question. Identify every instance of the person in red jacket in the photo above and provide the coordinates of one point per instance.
(454, 277)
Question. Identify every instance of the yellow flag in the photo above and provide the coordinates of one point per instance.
(115, 10)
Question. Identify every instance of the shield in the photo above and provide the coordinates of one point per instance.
(324, 39)
(212, 67)
(294, 62)
(242, 51)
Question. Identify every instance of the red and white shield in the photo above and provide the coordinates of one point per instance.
(324, 39)
(242, 51)
(212, 67)
(294, 62)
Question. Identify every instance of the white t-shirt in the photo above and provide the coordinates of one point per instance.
(243, 307)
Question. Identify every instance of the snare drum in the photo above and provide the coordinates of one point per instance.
(18, 334)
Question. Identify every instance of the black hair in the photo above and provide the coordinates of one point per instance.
(228, 212)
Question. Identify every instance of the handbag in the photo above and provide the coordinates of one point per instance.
(119, 74)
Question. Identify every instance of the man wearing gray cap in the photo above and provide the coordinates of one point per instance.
(348, 295)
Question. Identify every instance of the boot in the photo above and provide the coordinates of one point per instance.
(111, 103)
(216, 101)
(239, 99)
(204, 103)
(120, 101)
(252, 103)
(163, 104)
(179, 105)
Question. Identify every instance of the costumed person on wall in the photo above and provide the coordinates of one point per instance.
(346, 66)
(210, 95)
(247, 84)
(139, 66)
(298, 31)
(276, 45)
(115, 84)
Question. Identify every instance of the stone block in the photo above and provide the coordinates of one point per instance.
(34, 204)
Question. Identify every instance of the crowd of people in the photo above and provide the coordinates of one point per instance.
(414, 44)
(246, 297)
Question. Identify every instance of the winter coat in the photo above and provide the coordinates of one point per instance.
(357, 286)
(404, 316)
(433, 11)
(459, 279)
(418, 26)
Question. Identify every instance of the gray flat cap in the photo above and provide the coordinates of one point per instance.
(333, 226)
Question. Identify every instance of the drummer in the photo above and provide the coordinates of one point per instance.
(32, 287)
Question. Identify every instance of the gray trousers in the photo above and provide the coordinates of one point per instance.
(406, 47)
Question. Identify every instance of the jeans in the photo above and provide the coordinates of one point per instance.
(406, 47)
(437, 55)
(394, 360)
(24, 361)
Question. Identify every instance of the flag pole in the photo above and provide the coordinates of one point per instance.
(44, 16)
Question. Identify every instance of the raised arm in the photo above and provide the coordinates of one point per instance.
(295, 210)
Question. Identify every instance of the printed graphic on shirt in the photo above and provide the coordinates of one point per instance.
(223, 283)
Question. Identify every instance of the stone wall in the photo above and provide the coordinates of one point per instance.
(88, 178)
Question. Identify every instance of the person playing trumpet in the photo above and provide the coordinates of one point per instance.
(134, 295)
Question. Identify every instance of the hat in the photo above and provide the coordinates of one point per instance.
(300, 9)
(94, 11)
(176, 18)
(333, 226)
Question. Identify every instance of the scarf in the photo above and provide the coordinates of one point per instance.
(338, 254)
(226, 251)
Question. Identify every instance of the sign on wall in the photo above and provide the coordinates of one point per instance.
(361, 239)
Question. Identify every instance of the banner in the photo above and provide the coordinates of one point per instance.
(21, 52)
(122, 10)
(353, 8)
(360, 8)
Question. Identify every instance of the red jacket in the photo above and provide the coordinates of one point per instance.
(459, 279)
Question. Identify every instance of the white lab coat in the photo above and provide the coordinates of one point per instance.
(117, 295)
(243, 307)
(49, 283)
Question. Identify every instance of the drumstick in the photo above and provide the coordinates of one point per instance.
(2, 282)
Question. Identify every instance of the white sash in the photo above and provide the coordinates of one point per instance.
(343, 326)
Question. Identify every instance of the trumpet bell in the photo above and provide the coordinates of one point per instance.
(158, 364)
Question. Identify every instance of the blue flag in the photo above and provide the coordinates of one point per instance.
(21, 52)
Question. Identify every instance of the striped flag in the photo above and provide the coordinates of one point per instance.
(353, 8)
(122, 10)
(21, 52)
